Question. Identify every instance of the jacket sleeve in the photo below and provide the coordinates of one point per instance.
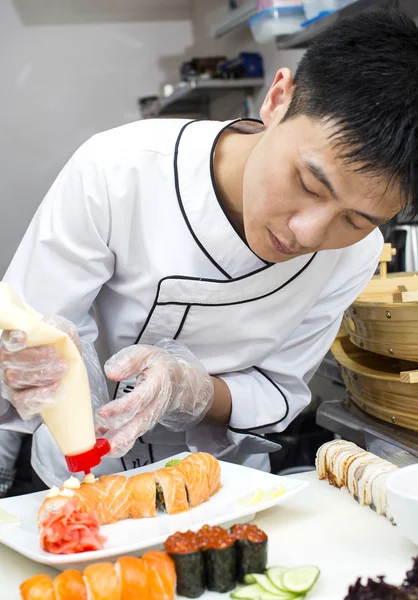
(63, 259)
(10, 445)
(268, 396)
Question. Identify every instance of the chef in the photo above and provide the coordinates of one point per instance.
(219, 256)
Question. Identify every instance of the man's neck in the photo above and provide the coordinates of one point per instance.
(231, 155)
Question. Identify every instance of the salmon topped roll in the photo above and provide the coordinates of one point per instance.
(118, 497)
(109, 496)
(212, 469)
(77, 509)
(197, 484)
(143, 495)
(171, 491)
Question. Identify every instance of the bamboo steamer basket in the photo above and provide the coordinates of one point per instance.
(382, 387)
(384, 318)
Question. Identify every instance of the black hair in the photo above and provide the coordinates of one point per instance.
(361, 77)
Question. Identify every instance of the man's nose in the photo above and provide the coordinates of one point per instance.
(310, 227)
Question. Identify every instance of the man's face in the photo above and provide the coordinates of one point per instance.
(299, 197)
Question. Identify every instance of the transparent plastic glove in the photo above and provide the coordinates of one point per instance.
(30, 377)
(172, 388)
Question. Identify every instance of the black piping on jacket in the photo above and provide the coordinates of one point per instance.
(230, 279)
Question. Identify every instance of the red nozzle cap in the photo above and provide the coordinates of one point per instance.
(87, 460)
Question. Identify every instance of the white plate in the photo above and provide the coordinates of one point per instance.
(134, 535)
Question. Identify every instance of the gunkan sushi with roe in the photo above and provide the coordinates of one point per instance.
(251, 550)
(215, 558)
(184, 550)
(218, 547)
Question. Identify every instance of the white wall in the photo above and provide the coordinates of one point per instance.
(70, 68)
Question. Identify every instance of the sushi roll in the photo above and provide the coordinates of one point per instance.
(171, 491)
(193, 471)
(219, 555)
(363, 474)
(143, 496)
(251, 550)
(184, 550)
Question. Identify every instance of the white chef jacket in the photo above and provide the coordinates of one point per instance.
(134, 223)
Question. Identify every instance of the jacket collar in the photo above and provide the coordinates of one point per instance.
(199, 202)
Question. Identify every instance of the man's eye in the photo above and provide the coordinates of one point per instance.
(350, 222)
(305, 189)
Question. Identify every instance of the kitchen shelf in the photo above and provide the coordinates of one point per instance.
(235, 18)
(302, 38)
(238, 17)
(189, 96)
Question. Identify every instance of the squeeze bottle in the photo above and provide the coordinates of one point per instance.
(70, 420)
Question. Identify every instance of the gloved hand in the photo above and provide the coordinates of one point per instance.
(30, 377)
(172, 388)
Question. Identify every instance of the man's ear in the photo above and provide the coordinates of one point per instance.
(278, 97)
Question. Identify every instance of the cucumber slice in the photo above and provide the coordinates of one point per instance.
(275, 575)
(300, 580)
(265, 583)
(249, 578)
(252, 592)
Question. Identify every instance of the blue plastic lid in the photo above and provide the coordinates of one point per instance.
(318, 17)
(295, 9)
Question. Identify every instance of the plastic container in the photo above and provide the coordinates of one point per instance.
(313, 8)
(263, 4)
(275, 21)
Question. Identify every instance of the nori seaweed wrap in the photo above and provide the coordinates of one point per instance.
(184, 550)
(251, 550)
(218, 547)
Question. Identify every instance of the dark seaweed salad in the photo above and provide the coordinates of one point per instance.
(381, 590)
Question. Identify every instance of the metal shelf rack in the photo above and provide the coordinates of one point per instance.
(195, 95)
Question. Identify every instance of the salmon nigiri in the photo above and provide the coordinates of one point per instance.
(152, 577)
(195, 477)
(161, 575)
(134, 578)
(103, 581)
(39, 587)
(70, 585)
(171, 491)
(143, 495)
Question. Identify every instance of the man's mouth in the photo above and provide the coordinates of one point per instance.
(279, 246)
